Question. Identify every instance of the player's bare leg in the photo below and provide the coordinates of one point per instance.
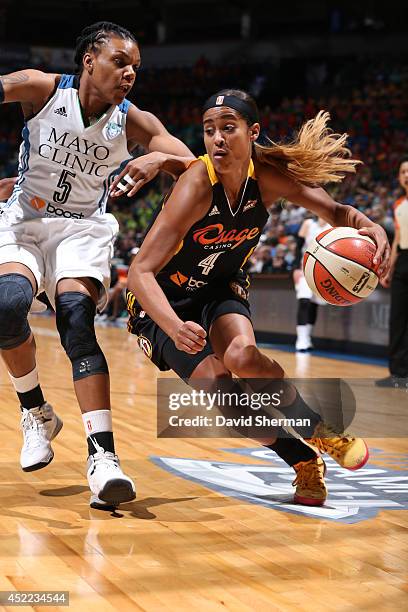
(234, 344)
(233, 340)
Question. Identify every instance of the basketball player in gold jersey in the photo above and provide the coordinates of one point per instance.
(188, 299)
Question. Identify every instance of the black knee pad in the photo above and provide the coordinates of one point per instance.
(16, 295)
(75, 314)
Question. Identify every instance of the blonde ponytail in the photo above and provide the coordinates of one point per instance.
(316, 156)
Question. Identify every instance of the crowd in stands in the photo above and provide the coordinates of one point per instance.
(366, 100)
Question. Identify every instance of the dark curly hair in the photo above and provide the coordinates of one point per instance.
(95, 35)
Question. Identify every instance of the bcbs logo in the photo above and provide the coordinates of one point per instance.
(180, 279)
(215, 237)
(194, 284)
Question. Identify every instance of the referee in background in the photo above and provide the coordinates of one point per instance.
(397, 278)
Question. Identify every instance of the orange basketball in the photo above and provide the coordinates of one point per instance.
(338, 266)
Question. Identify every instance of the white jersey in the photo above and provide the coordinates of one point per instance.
(313, 230)
(302, 289)
(65, 168)
(401, 220)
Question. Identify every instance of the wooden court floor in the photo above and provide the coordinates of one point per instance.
(183, 545)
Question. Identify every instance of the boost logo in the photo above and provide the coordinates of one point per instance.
(60, 212)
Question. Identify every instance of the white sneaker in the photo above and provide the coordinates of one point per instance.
(40, 426)
(310, 331)
(109, 485)
(303, 340)
(101, 319)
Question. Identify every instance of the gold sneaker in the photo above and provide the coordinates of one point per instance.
(309, 482)
(350, 453)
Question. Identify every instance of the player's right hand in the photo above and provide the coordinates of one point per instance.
(190, 338)
(137, 173)
(386, 280)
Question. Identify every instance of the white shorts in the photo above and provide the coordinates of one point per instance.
(304, 292)
(61, 248)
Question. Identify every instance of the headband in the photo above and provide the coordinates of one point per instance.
(245, 109)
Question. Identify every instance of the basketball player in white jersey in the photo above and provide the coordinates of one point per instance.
(308, 302)
(55, 235)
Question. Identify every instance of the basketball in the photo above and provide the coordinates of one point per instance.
(338, 266)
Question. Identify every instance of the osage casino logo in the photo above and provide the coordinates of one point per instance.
(215, 237)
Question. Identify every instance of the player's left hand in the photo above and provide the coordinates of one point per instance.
(383, 253)
(136, 173)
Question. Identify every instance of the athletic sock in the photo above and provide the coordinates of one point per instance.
(28, 390)
(292, 450)
(298, 409)
(98, 429)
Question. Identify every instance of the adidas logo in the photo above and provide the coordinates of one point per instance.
(214, 211)
(61, 111)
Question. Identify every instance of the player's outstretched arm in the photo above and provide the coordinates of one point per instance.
(166, 153)
(30, 87)
(188, 202)
(317, 200)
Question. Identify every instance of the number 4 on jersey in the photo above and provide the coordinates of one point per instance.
(208, 263)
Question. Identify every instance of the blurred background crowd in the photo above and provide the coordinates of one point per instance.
(367, 100)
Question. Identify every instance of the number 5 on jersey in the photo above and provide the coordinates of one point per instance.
(208, 263)
(62, 196)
